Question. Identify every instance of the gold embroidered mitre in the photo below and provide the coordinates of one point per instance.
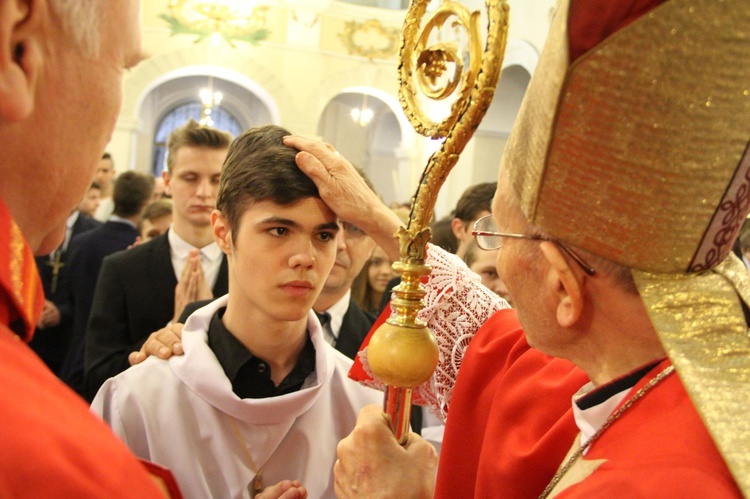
(637, 151)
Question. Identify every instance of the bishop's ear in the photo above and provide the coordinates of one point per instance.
(22, 25)
(564, 284)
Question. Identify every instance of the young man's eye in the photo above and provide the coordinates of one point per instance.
(326, 236)
(278, 231)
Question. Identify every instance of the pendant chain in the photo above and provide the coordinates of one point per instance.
(611, 419)
(256, 486)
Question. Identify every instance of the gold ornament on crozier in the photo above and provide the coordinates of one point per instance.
(403, 353)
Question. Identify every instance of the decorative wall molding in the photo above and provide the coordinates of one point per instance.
(371, 39)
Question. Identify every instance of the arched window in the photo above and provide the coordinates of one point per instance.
(177, 116)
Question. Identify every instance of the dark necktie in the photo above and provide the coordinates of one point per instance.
(325, 322)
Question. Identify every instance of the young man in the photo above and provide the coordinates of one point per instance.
(155, 219)
(61, 66)
(473, 204)
(105, 177)
(87, 251)
(259, 396)
(55, 326)
(91, 200)
(143, 289)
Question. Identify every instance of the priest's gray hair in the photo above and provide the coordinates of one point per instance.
(81, 20)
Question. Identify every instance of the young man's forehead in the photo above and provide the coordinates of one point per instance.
(299, 212)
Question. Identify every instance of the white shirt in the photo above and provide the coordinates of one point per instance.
(72, 219)
(178, 413)
(337, 311)
(591, 419)
(211, 256)
(118, 219)
(105, 209)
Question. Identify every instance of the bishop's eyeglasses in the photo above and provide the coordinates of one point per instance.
(488, 238)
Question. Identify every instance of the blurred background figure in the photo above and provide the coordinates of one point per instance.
(366, 289)
(370, 285)
(87, 251)
(55, 326)
(105, 177)
(155, 220)
(143, 289)
(159, 189)
(91, 199)
(473, 204)
(442, 234)
(483, 263)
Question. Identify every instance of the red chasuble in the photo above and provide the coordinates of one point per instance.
(658, 447)
(50, 444)
(510, 425)
(510, 421)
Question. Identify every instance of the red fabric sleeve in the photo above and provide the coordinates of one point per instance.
(495, 432)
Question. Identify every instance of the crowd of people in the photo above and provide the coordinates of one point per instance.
(205, 334)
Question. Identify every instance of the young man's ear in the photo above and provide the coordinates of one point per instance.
(458, 227)
(222, 232)
(22, 33)
(562, 283)
(167, 182)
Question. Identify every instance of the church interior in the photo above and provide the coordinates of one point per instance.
(320, 68)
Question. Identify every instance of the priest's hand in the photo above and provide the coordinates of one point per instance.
(344, 190)
(163, 343)
(286, 489)
(372, 464)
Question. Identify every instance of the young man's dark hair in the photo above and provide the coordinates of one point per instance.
(474, 200)
(132, 192)
(248, 175)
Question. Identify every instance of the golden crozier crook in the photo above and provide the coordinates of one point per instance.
(402, 352)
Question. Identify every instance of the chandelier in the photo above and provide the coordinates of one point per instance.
(209, 100)
(216, 20)
(362, 115)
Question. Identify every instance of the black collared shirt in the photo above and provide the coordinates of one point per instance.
(251, 376)
(604, 393)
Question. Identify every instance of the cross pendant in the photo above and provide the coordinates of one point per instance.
(56, 265)
(256, 486)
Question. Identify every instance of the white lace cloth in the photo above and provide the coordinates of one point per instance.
(456, 306)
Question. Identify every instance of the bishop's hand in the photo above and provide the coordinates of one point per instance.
(372, 464)
(344, 190)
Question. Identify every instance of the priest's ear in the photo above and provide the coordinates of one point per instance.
(22, 26)
(562, 283)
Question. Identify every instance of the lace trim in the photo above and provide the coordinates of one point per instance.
(456, 306)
